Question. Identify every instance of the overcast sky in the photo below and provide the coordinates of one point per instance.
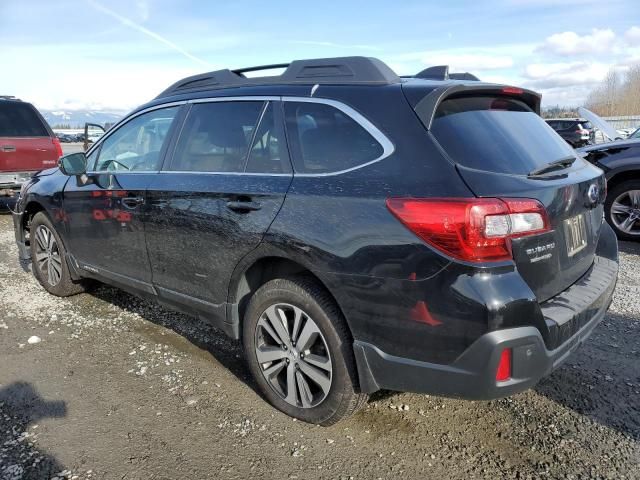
(117, 54)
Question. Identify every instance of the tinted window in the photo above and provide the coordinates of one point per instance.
(137, 144)
(269, 150)
(635, 134)
(587, 125)
(216, 137)
(20, 120)
(496, 134)
(324, 139)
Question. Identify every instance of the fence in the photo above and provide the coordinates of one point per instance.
(632, 121)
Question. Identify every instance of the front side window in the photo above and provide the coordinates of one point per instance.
(216, 137)
(136, 145)
(324, 139)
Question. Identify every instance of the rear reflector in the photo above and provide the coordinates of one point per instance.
(504, 366)
(471, 229)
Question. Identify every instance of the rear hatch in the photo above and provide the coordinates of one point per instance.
(26, 142)
(502, 148)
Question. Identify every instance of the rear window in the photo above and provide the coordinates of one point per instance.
(496, 134)
(20, 120)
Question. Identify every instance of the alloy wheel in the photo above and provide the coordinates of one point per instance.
(293, 355)
(625, 212)
(48, 259)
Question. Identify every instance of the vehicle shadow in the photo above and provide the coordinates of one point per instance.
(601, 380)
(20, 407)
(197, 332)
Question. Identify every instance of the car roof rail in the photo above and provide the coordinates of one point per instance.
(337, 71)
(9, 97)
(441, 72)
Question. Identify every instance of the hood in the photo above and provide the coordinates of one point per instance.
(47, 171)
(599, 123)
(608, 145)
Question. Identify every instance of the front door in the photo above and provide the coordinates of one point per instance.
(105, 210)
(211, 206)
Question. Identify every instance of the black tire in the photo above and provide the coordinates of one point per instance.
(343, 397)
(65, 286)
(614, 194)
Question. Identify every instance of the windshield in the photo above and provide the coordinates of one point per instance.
(635, 135)
(497, 134)
(601, 124)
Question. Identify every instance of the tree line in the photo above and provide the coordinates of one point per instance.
(617, 95)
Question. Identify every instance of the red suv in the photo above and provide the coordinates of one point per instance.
(27, 145)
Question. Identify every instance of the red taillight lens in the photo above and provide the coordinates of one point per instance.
(503, 372)
(512, 90)
(471, 229)
(56, 144)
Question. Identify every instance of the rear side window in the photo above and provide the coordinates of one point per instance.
(324, 139)
(216, 137)
(20, 120)
(496, 134)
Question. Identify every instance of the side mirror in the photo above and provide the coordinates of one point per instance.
(73, 164)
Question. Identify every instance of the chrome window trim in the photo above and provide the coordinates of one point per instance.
(387, 146)
(126, 119)
(251, 174)
(247, 98)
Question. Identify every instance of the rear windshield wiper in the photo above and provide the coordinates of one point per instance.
(553, 166)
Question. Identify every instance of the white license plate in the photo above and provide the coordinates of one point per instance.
(575, 234)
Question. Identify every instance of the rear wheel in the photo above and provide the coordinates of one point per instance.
(623, 209)
(48, 258)
(299, 351)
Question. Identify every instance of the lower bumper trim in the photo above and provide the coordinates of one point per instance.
(472, 375)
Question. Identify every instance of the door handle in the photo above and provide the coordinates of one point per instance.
(132, 202)
(246, 206)
(8, 148)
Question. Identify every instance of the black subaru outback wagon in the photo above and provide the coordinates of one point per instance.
(356, 230)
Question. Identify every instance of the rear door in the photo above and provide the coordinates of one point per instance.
(26, 143)
(496, 143)
(215, 198)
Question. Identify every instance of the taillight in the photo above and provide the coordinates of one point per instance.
(56, 144)
(471, 229)
(512, 90)
(503, 373)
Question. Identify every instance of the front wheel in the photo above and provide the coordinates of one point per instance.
(299, 351)
(622, 209)
(48, 258)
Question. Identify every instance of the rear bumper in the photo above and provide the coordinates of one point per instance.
(11, 182)
(576, 312)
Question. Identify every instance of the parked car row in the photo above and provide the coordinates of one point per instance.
(70, 137)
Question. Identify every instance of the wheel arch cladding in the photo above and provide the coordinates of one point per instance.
(623, 176)
(264, 269)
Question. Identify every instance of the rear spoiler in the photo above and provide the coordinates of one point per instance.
(426, 108)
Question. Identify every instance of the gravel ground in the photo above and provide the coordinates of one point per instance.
(106, 386)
